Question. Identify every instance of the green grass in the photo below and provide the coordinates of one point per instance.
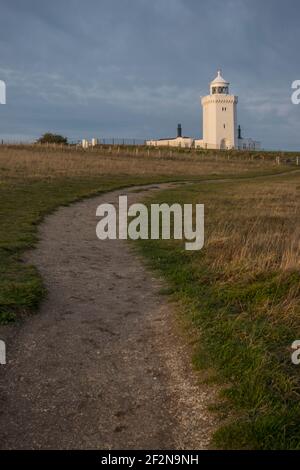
(238, 335)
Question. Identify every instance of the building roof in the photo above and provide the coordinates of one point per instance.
(174, 138)
(219, 80)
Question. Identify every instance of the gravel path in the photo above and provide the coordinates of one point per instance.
(102, 364)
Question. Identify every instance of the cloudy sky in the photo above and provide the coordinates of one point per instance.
(135, 68)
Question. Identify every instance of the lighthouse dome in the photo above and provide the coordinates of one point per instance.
(219, 85)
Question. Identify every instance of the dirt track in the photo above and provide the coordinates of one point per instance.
(101, 365)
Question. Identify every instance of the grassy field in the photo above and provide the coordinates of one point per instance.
(240, 293)
(34, 181)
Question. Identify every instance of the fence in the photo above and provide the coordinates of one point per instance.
(114, 141)
(137, 147)
(101, 140)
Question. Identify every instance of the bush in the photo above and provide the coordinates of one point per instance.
(49, 138)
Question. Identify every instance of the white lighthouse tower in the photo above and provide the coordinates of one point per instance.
(219, 116)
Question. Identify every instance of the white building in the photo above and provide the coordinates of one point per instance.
(219, 117)
(86, 144)
(179, 141)
(220, 129)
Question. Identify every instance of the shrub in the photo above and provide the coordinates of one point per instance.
(49, 138)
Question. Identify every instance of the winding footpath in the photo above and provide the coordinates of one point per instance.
(102, 365)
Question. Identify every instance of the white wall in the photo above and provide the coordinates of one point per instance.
(184, 142)
(219, 110)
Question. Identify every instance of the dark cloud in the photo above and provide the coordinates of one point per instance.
(134, 68)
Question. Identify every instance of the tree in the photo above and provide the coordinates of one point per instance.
(49, 138)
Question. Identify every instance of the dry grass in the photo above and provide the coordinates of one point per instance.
(256, 228)
(37, 162)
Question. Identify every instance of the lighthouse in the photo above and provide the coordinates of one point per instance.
(220, 127)
(219, 116)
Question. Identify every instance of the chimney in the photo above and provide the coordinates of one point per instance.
(179, 130)
(239, 132)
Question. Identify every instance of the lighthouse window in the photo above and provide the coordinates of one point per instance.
(224, 126)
